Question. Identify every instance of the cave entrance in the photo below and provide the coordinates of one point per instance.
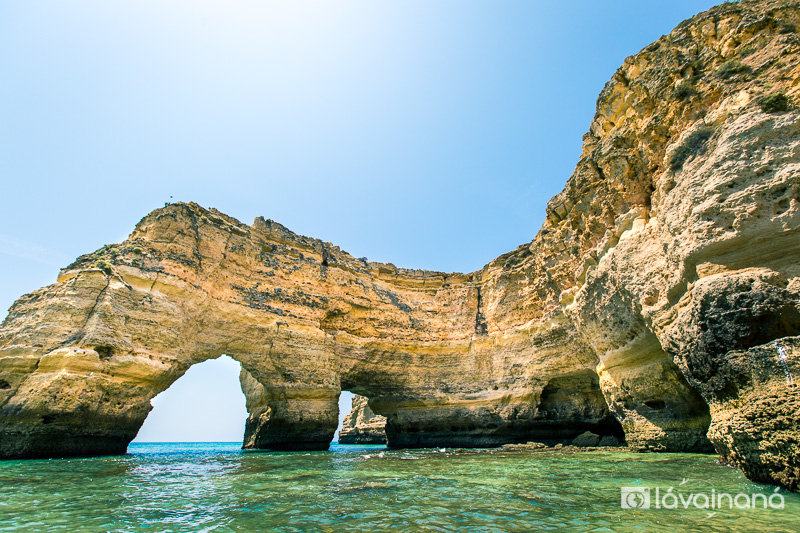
(572, 404)
(358, 424)
(206, 404)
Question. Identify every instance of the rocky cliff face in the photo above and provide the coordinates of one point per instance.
(645, 308)
(362, 426)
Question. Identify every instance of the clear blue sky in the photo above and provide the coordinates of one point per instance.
(428, 134)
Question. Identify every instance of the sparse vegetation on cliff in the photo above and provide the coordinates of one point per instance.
(732, 68)
(684, 91)
(695, 144)
(775, 103)
(105, 266)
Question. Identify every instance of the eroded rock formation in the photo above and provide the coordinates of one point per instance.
(645, 307)
(362, 426)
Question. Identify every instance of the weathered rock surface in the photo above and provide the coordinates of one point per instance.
(755, 420)
(362, 426)
(644, 308)
(586, 439)
(608, 441)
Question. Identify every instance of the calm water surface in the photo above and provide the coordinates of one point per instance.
(217, 487)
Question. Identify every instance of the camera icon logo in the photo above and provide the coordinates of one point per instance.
(635, 497)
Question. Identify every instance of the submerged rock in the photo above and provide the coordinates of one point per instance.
(646, 306)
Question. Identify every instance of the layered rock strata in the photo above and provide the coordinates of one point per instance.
(362, 426)
(644, 309)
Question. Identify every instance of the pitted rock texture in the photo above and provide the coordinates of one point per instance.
(362, 426)
(756, 423)
(673, 249)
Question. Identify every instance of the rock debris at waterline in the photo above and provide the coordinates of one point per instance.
(646, 308)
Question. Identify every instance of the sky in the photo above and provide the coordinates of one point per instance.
(427, 134)
(206, 405)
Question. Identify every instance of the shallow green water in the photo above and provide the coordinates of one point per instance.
(217, 487)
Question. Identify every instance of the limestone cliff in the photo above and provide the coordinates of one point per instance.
(362, 426)
(645, 308)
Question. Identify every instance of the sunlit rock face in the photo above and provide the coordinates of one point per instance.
(362, 426)
(644, 308)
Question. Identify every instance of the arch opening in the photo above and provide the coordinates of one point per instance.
(572, 404)
(345, 406)
(358, 424)
(206, 404)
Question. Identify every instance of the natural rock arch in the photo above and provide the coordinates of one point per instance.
(191, 284)
(667, 267)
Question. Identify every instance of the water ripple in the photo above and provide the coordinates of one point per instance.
(217, 487)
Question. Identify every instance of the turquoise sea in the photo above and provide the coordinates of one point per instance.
(218, 487)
